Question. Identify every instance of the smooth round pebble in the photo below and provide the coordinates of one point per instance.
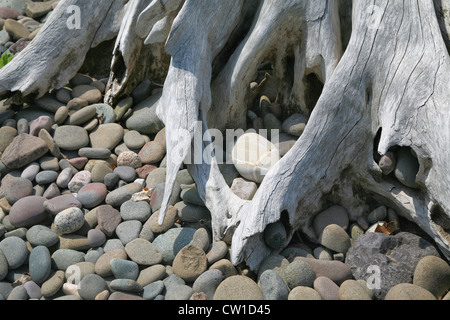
(433, 274)
(353, 290)
(129, 230)
(126, 173)
(208, 282)
(28, 211)
(273, 286)
(299, 273)
(46, 177)
(63, 258)
(15, 251)
(135, 210)
(92, 194)
(326, 288)
(143, 252)
(408, 291)
(96, 238)
(124, 269)
(172, 241)
(190, 263)
(40, 264)
(238, 288)
(152, 290)
(90, 286)
(127, 285)
(69, 220)
(335, 238)
(304, 293)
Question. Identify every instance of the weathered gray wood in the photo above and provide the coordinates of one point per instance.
(132, 61)
(391, 77)
(58, 52)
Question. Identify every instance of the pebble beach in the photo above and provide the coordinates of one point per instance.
(82, 184)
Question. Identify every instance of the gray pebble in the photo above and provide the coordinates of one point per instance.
(15, 251)
(208, 282)
(90, 286)
(18, 293)
(63, 258)
(126, 285)
(179, 292)
(273, 286)
(40, 264)
(125, 173)
(124, 269)
(152, 290)
(135, 210)
(172, 241)
(128, 230)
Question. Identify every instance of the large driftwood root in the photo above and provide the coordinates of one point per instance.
(378, 121)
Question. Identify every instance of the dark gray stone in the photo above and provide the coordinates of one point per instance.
(396, 257)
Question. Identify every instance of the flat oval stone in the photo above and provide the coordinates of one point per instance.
(127, 285)
(40, 264)
(69, 220)
(63, 258)
(273, 286)
(151, 274)
(94, 153)
(143, 252)
(124, 269)
(144, 118)
(92, 195)
(64, 178)
(433, 274)
(168, 222)
(7, 135)
(90, 286)
(304, 293)
(50, 287)
(129, 230)
(408, 291)
(57, 204)
(64, 137)
(133, 140)
(39, 235)
(353, 290)
(335, 238)
(15, 251)
(96, 238)
(135, 210)
(83, 115)
(107, 135)
(190, 263)
(208, 282)
(118, 196)
(152, 152)
(87, 92)
(30, 171)
(46, 177)
(28, 211)
(16, 188)
(326, 288)
(299, 273)
(126, 173)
